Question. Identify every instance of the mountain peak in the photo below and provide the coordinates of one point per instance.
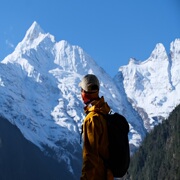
(34, 31)
(33, 37)
(159, 52)
(175, 46)
(134, 61)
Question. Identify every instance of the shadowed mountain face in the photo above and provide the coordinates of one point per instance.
(21, 159)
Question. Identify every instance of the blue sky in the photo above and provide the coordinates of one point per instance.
(110, 31)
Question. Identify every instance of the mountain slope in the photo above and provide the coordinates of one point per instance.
(20, 159)
(159, 155)
(153, 86)
(39, 93)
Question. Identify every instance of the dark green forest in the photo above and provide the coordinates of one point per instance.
(158, 157)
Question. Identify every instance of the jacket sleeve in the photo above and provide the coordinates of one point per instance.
(92, 163)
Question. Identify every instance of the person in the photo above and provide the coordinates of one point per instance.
(95, 144)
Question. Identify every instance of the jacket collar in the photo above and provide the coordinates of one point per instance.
(97, 106)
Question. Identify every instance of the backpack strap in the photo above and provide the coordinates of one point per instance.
(80, 140)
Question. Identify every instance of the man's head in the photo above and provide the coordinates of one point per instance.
(89, 88)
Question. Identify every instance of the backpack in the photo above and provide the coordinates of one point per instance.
(119, 154)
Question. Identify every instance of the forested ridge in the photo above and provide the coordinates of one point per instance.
(158, 158)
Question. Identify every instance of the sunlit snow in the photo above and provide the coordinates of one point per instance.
(40, 94)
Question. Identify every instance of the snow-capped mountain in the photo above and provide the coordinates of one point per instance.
(39, 92)
(153, 86)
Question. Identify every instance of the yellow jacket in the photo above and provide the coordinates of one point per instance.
(95, 147)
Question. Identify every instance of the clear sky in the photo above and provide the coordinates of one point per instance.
(110, 31)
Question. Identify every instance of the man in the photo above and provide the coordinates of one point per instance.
(95, 147)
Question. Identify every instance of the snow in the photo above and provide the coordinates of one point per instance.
(40, 94)
(153, 85)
